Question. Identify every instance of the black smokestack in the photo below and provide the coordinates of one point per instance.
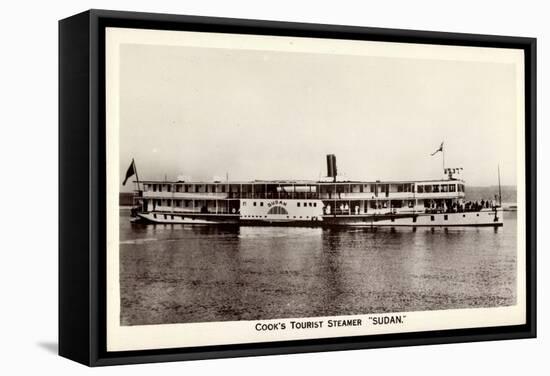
(331, 166)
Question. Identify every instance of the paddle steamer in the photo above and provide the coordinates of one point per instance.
(328, 202)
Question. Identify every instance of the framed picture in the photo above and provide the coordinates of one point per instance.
(240, 187)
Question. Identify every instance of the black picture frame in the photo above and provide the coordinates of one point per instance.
(82, 179)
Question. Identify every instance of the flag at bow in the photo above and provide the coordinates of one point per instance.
(130, 172)
(440, 149)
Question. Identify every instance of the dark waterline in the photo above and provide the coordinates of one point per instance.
(181, 273)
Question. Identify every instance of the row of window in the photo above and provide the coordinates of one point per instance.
(437, 188)
(367, 188)
(345, 188)
(177, 203)
(375, 204)
(265, 216)
(188, 203)
(195, 188)
(166, 216)
(298, 204)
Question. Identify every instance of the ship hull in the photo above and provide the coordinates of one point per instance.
(465, 219)
(187, 219)
(489, 217)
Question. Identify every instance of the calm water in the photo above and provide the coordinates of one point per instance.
(178, 274)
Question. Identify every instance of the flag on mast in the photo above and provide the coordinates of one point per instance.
(440, 149)
(130, 172)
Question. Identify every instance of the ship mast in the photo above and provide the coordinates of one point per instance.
(443, 153)
(499, 189)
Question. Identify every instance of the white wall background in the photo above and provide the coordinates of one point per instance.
(28, 189)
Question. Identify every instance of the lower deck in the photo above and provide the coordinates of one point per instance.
(484, 217)
(293, 212)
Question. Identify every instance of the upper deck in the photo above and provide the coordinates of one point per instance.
(317, 190)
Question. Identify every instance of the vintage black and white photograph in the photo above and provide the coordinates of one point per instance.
(265, 188)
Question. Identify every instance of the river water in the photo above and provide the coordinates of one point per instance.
(182, 274)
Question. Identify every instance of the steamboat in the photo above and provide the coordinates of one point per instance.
(327, 202)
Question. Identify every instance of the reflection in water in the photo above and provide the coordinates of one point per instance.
(179, 273)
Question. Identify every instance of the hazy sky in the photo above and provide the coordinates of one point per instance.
(202, 112)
